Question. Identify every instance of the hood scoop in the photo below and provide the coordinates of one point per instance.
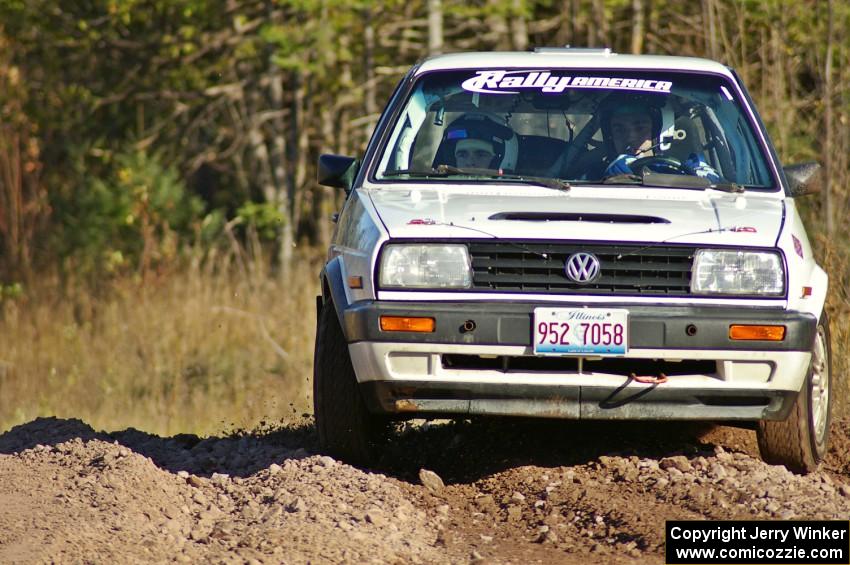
(579, 217)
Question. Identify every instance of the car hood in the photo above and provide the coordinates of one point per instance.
(585, 213)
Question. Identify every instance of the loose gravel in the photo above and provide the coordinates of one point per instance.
(501, 491)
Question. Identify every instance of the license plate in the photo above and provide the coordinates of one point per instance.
(570, 331)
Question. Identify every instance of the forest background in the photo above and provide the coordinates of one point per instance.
(161, 230)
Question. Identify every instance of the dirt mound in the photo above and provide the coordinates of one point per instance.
(514, 491)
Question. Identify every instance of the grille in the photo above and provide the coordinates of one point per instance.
(627, 270)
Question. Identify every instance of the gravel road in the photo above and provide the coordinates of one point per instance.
(497, 491)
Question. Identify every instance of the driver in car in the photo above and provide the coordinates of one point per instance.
(631, 131)
(474, 153)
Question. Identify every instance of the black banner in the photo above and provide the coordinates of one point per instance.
(694, 542)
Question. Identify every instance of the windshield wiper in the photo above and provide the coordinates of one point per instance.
(415, 172)
(448, 170)
(548, 182)
(727, 187)
(665, 180)
(625, 178)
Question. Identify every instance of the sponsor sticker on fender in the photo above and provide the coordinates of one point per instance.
(502, 81)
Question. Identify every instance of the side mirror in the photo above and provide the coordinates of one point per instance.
(337, 171)
(803, 178)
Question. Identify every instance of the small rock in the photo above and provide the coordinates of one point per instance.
(675, 473)
(517, 497)
(486, 503)
(514, 513)
(172, 526)
(717, 471)
(297, 505)
(431, 480)
(271, 514)
(327, 461)
(376, 517)
(183, 474)
(194, 481)
(844, 490)
(485, 539)
(344, 525)
(651, 464)
(679, 462)
(274, 469)
(476, 557)
(443, 510)
(198, 533)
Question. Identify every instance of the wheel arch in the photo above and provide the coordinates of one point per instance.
(333, 290)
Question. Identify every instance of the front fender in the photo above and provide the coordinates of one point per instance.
(333, 288)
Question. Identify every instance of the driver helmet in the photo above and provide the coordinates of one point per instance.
(483, 131)
(618, 104)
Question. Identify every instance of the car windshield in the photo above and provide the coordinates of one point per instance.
(650, 128)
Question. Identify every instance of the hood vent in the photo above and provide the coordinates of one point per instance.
(579, 217)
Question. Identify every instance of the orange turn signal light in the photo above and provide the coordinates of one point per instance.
(407, 324)
(760, 333)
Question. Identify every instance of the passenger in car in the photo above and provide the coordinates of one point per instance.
(479, 141)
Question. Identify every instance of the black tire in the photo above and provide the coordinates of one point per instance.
(347, 430)
(801, 441)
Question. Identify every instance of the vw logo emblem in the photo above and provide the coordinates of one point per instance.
(582, 267)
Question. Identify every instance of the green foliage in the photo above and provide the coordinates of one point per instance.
(11, 291)
(266, 218)
(133, 215)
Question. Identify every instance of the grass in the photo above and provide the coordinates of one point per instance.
(201, 349)
(216, 345)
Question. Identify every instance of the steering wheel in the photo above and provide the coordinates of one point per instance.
(660, 164)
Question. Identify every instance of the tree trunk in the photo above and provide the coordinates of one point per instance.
(637, 26)
(369, 71)
(828, 111)
(709, 19)
(567, 31)
(435, 27)
(497, 25)
(600, 24)
(519, 27)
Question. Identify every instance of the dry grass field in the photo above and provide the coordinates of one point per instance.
(198, 350)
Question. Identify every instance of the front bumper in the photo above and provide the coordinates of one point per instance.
(492, 369)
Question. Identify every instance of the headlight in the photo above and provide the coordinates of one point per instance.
(425, 266)
(738, 272)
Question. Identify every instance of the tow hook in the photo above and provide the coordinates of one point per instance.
(661, 378)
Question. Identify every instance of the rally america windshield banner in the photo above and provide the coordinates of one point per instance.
(502, 81)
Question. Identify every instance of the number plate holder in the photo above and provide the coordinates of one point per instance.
(580, 331)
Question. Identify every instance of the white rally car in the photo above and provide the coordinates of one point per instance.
(572, 234)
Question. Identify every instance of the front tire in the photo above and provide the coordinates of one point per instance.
(347, 430)
(801, 441)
